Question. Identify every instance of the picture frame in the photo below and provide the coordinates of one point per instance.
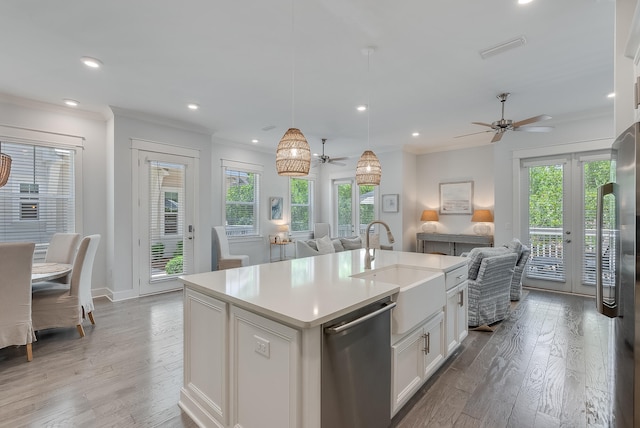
(276, 208)
(390, 203)
(456, 198)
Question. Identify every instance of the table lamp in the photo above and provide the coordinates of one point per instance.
(482, 217)
(430, 217)
(283, 231)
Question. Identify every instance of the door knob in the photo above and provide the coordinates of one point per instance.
(568, 241)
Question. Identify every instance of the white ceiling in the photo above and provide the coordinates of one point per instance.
(234, 59)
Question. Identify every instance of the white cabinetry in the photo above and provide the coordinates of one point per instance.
(456, 309)
(205, 363)
(414, 358)
(265, 359)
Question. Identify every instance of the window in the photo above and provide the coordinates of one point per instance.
(39, 198)
(242, 196)
(301, 190)
(171, 213)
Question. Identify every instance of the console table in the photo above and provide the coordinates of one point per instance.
(450, 244)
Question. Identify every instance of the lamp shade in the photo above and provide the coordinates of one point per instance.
(5, 168)
(368, 170)
(293, 156)
(482, 216)
(429, 215)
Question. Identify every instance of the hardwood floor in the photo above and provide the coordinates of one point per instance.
(545, 366)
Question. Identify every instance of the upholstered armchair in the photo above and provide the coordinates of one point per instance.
(225, 259)
(490, 275)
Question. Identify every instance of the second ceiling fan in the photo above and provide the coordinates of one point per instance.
(499, 127)
(326, 159)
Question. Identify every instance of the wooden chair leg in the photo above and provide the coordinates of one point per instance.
(90, 314)
(29, 352)
(80, 330)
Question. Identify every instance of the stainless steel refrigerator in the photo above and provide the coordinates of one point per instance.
(618, 295)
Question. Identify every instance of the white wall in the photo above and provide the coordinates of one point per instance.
(271, 185)
(474, 164)
(126, 128)
(47, 118)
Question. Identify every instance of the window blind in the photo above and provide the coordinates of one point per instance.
(39, 197)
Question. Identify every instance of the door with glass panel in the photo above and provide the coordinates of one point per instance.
(166, 206)
(355, 207)
(558, 202)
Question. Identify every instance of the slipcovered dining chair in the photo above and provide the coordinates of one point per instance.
(16, 327)
(321, 229)
(62, 249)
(225, 259)
(61, 307)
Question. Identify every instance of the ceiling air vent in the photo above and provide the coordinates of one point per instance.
(503, 47)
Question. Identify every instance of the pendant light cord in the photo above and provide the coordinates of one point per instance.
(368, 98)
(293, 64)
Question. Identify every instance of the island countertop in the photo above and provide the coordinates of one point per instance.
(310, 291)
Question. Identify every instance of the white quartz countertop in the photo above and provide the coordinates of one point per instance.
(307, 292)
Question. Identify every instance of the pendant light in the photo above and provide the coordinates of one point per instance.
(293, 156)
(368, 169)
(5, 167)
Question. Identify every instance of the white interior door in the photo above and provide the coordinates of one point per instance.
(166, 206)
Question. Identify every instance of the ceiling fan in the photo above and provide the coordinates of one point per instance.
(499, 127)
(326, 159)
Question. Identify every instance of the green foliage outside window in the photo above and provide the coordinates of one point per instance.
(241, 197)
(301, 206)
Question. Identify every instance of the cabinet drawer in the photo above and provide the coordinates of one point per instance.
(456, 276)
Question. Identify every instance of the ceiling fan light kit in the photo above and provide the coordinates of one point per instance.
(321, 159)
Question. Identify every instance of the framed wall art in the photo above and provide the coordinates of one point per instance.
(276, 204)
(456, 198)
(390, 203)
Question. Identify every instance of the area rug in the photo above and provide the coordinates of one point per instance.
(491, 328)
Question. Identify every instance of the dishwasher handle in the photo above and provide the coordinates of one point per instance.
(343, 327)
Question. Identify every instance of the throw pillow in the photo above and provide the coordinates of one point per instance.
(312, 244)
(325, 246)
(351, 243)
(337, 245)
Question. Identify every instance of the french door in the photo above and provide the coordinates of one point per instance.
(165, 220)
(558, 201)
(355, 207)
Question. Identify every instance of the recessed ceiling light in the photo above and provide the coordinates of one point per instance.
(71, 103)
(193, 106)
(524, 1)
(611, 95)
(91, 62)
(254, 141)
(361, 108)
(416, 134)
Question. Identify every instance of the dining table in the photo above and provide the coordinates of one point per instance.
(48, 271)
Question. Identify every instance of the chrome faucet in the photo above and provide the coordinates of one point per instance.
(368, 257)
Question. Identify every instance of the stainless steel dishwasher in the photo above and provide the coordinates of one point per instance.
(356, 368)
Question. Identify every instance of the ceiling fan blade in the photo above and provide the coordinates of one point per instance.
(473, 133)
(483, 124)
(339, 159)
(337, 163)
(531, 120)
(497, 137)
(534, 128)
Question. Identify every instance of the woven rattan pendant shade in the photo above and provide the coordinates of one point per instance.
(5, 168)
(293, 157)
(368, 170)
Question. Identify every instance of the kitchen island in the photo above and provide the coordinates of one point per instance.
(253, 335)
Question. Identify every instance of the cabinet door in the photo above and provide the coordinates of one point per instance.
(452, 316)
(433, 344)
(463, 314)
(205, 355)
(407, 362)
(265, 361)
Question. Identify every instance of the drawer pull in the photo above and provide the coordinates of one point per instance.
(460, 276)
(461, 301)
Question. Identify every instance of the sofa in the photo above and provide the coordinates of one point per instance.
(326, 245)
